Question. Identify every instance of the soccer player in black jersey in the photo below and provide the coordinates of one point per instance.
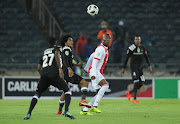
(67, 58)
(136, 52)
(51, 74)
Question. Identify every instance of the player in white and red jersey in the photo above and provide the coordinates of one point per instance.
(98, 60)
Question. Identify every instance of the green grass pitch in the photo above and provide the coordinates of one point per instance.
(114, 111)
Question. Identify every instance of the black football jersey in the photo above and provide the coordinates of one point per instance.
(67, 57)
(136, 53)
(48, 62)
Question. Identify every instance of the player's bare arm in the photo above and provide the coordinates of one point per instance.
(150, 69)
(57, 57)
(79, 64)
(39, 68)
(70, 72)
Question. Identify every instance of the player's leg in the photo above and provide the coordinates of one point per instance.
(84, 86)
(61, 103)
(62, 85)
(104, 87)
(42, 86)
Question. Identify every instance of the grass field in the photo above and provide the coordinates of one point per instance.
(154, 111)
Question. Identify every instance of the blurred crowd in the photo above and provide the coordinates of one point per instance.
(119, 40)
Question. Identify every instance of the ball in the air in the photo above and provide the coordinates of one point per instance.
(92, 10)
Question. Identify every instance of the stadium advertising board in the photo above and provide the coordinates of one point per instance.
(25, 87)
(167, 88)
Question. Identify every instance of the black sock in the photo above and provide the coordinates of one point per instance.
(84, 93)
(32, 105)
(135, 93)
(61, 106)
(67, 101)
(131, 91)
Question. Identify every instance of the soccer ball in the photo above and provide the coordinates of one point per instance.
(92, 10)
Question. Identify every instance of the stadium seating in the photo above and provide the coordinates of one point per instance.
(21, 40)
(155, 20)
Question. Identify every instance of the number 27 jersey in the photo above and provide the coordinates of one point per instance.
(48, 62)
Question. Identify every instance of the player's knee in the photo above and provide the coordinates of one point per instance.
(84, 83)
(68, 93)
(106, 86)
(36, 96)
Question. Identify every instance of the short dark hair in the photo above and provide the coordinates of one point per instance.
(51, 41)
(64, 38)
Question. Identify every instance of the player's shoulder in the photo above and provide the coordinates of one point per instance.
(132, 47)
(60, 48)
(49, 50)
(100, 48)
(66, 48)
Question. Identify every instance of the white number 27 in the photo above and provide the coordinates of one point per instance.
(46, 58)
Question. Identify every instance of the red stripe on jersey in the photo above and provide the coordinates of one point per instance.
(96, 58)
(105, 60)
(104, 63)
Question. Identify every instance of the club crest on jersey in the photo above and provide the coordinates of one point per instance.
(66, 53)
(98, 54)
(138, 50)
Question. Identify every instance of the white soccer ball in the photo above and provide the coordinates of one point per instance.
(92, 10)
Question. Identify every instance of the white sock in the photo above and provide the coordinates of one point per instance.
(61, 101)
(90, 103)
(100, 94)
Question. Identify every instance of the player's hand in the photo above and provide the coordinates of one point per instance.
(150, 69)
(49, 87)
(61, 74)
(70, 72)
(122, 71)
(81, 63)
(85, 72)
(93, 78)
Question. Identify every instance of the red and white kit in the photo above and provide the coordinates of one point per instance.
(98, 60)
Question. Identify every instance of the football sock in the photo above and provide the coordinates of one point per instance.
(135, 93)
(33, 103)
(84, 93)
(131, 91)
(100, 94)
(61, 104)
(67, 100)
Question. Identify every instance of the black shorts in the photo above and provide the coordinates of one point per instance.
(137, 75)
(75, 79)
(46, 81)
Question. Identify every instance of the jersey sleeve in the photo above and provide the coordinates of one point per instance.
(89, 62)
(66, 55)
(146, 55)
(99, 52)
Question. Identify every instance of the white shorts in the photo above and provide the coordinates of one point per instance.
(95, 82)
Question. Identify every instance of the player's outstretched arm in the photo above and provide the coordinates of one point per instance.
(79, 64)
